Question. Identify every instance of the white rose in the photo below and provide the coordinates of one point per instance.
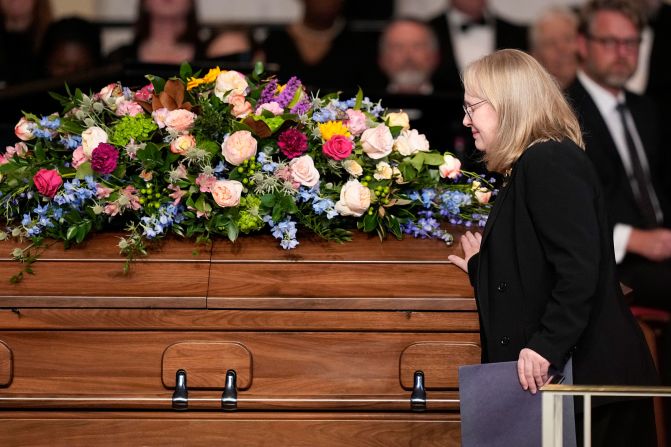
(230, 81)
(353, 168)
(303, 171)
(377, 142)
(91, 138)
(409, 142)
(398, 119)
(160, 115)
(354, 199)
(383, 171)
(451, 168)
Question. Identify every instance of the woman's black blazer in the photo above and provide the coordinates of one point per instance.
(545, 275)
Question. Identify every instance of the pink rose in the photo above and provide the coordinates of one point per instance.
(24, 129)
(130, 108)
(109, 92)
(356, 122)
(47, 182)
(160, 115)
(238, 147)
(483, 196)
(451, 168)
(273, 107)
(227, 193)
(303, 171)
(91, 138)
(338, 147)
(79, 157)
(241, 107)
(230, 81)
(354, 199)
(179, 120)
(377, 142)
(182, 144)
(3, 161)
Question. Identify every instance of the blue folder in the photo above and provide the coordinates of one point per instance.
(496, 411)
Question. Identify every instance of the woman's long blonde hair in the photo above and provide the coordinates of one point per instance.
(528, 101)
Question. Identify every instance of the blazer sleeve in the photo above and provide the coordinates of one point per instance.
(561, 195)
(473, 269)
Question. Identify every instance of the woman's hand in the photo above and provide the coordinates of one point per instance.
(470, 243)
(532, 369)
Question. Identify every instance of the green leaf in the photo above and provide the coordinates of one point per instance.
(84, 170)
(185, 71)
(433, 159)
(258, 69)
(71, 233)
(268, 200)
(210, 146)
(395, 227)
(157, 81)
(232, 231)
(369, 222)
(359, 99)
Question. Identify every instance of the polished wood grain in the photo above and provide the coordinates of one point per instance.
(179, 320)
(5, 365)
(206, 364)
(284, 363)
(277, 429)
(439, 361)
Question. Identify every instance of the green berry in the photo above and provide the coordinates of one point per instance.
(241, 169)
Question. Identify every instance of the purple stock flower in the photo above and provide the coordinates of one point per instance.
(268, 93)
(289, 91)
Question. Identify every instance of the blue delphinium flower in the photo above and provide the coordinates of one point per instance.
(164, 218)
(71, 141)
(50, 122)
(323, 115)
(285, 231)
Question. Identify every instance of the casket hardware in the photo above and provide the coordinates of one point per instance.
(180, 398)
(229, 399)
(418, 396)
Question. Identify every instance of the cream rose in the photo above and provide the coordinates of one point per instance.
(353, 168)
(409, 142)
(398, 119)
(179, 120)
(483, 196)
(160, 116)
(182, 144)
(303, 171)
(377, 142)
(91, 138)
(383, 171)
(230, 81)
(451, 168)
(354, 199)
(24, 129)
(238, 147)
(227, 192)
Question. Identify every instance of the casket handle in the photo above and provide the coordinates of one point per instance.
(180, 398)
(229, 399)
(418, 396)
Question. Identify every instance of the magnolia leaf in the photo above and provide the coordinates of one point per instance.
(158, 83)
(258, 128)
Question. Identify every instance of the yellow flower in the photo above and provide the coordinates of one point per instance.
(279, 88)
(194, 82)
(332, 128)
(211, 75)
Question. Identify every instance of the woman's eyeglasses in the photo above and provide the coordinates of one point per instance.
(469, 108)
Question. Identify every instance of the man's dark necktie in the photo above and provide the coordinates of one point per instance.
(643, 198)
(465, 26)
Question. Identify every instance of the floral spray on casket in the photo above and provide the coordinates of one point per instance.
(223, 154)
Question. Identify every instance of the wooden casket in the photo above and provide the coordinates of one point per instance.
(239, 344)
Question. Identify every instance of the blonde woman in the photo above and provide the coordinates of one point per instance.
(543, 269)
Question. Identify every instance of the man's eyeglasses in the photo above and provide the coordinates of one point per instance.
(612, 43)
(469, 108)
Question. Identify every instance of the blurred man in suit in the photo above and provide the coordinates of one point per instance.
(408, 56)
(622, 139)
(466, 32)
(553, 41)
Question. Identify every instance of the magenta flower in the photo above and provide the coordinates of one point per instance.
(293, 143)
(104, 158)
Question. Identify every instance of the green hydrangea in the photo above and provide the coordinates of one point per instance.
(249, 219)
(138, 128)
